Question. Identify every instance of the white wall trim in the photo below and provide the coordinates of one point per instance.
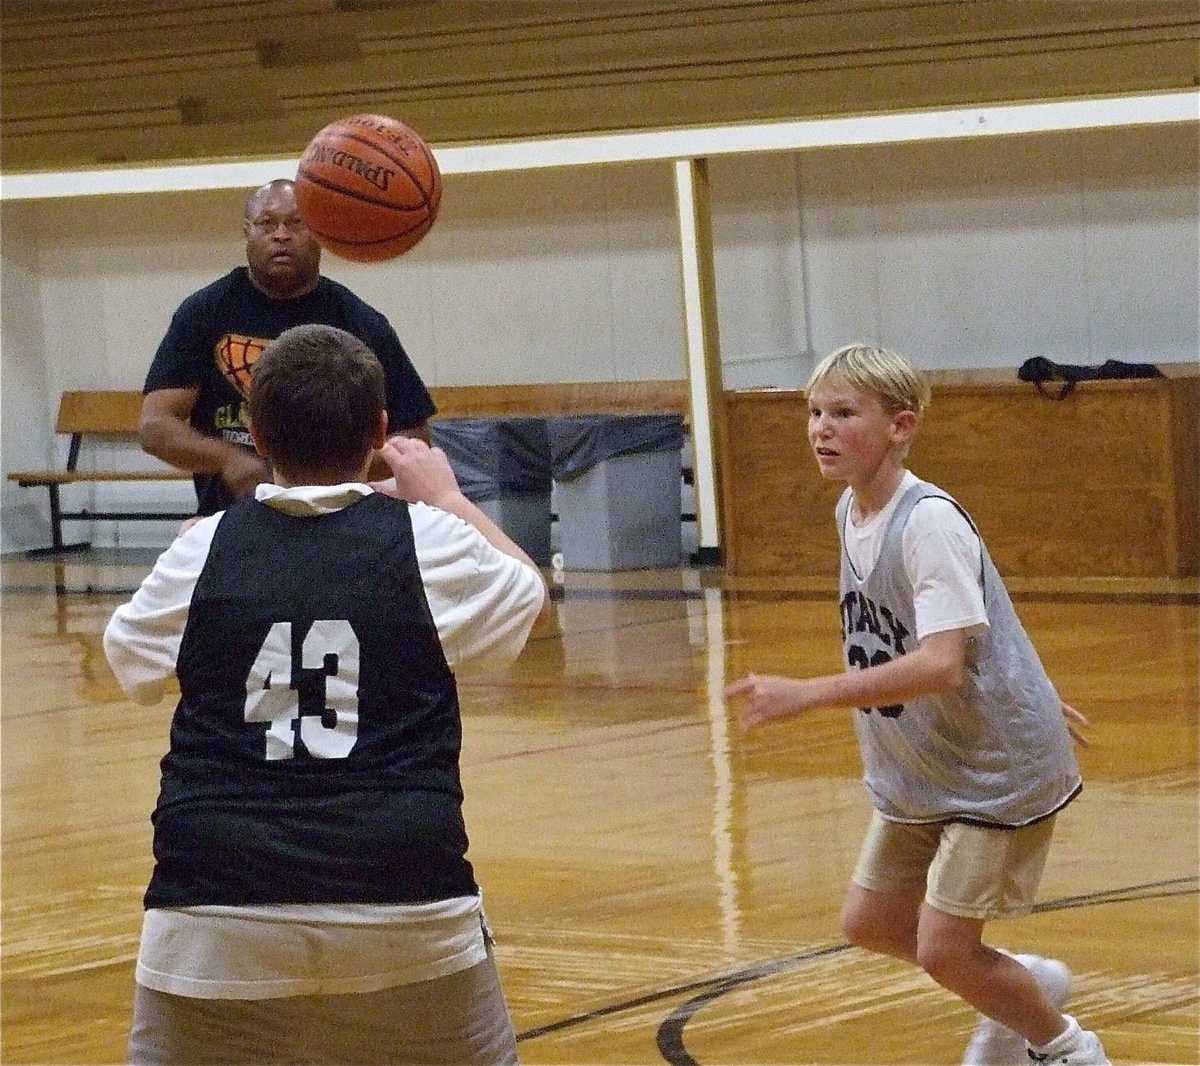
(669, 144)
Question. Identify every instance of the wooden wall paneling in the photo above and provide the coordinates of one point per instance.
(633, 95)
(86, 32)
(1184, 414)
(1082, 487)
(653, 34)
(276, 123)
(1100, 484)
(777, 510)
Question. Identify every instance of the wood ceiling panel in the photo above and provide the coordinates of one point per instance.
(199, 79)
(69, 31)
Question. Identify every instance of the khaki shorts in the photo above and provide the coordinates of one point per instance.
(965, 870)
(454, 1020)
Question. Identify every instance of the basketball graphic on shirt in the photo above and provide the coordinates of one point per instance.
(236, 356)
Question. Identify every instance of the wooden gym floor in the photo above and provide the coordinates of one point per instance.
(664, 888)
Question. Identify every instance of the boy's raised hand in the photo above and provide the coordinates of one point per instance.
(423, 474)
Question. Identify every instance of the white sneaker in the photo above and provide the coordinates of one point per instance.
(993, 1044)
(1085, 1051)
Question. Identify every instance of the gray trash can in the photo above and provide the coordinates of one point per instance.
(618, 490)
(503, 466)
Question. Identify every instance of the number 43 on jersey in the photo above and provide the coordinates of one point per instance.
(311, 709)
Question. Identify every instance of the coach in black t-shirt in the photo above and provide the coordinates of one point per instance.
(194, 413)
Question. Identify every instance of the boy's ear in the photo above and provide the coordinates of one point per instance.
(255, 436)
(904, 425)
(380, 438)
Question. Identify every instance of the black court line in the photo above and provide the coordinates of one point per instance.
(1176, 886)
(1164, 598)
(670, 1033)
(1152, 597)
(89, 590)
(675, 990)
(560, 594)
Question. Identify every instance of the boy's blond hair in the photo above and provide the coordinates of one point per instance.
(879, 372)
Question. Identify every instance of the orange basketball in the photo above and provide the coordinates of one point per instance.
(368, 188)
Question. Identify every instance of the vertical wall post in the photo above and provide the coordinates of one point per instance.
(703, 347)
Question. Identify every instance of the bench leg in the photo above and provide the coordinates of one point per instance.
(56, 539)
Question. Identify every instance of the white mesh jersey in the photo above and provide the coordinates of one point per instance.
(996, 751)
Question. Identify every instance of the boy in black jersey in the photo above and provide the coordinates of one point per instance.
(311, 899)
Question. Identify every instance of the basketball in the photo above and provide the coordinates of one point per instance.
(368, 188)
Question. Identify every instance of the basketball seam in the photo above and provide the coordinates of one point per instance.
(334, 240)
(426, 199)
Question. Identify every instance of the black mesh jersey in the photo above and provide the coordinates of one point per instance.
(314, 750)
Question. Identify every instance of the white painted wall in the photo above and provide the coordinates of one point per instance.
(1080, 247)
(28, 401)
(978, 253)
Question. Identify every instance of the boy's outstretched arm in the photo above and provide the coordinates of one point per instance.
(936, 665)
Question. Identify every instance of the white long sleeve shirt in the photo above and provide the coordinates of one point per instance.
(484, 604)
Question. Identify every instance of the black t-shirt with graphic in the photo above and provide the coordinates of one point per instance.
(218, 332)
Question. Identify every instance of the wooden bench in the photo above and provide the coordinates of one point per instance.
(110, 414)
(555, 399)
(115, 414)
(562, 398)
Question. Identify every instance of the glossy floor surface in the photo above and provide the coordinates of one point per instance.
(664, 889)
